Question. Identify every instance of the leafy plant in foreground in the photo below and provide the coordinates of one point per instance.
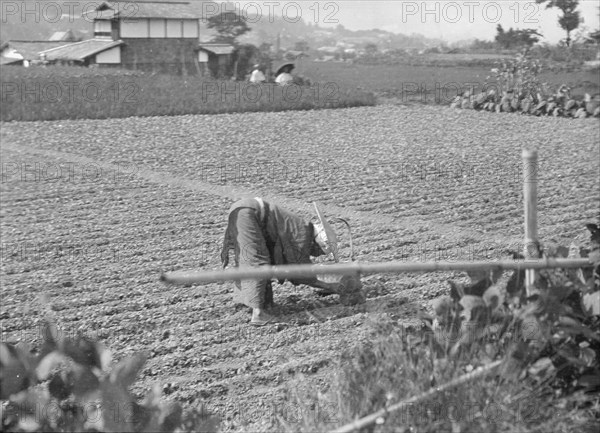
(67, 387)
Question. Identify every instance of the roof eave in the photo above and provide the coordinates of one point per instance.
(83, 57)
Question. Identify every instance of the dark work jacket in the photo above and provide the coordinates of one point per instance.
(289, 238)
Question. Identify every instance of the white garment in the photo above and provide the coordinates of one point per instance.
(257, 76)
(284, 78)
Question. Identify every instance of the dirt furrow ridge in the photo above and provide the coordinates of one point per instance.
(235, 192)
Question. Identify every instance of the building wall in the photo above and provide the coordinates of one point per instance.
(159, 28)
(169, 55)
(102, 28)
(191, 29)
(154, 45)
(112, 56)
(134, 28)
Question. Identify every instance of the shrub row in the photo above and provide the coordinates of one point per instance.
(50, 93)
(509, 102)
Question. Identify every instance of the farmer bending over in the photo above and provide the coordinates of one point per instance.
(262, 233)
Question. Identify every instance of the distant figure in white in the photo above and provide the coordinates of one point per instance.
(284, 75)
(257, 76)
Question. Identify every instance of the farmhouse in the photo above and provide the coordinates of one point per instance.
(214, 58)
(148, 35)
(153, 36)
(25, 52)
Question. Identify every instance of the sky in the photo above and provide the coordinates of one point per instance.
(444, 19)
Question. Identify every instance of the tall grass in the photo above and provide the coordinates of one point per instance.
(54, 93)
(393, 365)
(542, 355)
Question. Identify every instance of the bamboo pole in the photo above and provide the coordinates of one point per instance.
(295, 271)
(531, 246)
(372, 419)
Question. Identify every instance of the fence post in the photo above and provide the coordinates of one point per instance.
(530, 181)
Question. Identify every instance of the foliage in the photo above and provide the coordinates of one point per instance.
(301, 80)
(302, 46)
(265, 47)
(549, 346)
(519, 75)
(370, 48)
(125, 94)
(518, 89)
(245, 56)
(570, 18)
(67, 387)
(562, 57)
(229, 26)
(560, 104)
(479, 44)
(516, 38)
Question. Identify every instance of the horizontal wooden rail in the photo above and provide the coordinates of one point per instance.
(296, 271)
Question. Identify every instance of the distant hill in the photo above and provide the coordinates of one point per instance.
(316, 36)
(38, 20)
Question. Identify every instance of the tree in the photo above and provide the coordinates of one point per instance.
(570, 18)
(301, 46)
(370, 48)
(482, 45)
(229, 26)
(245, 56)
(516, 38)
(341, 30)
(265, 48)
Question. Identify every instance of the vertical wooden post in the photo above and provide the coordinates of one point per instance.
(531, 247)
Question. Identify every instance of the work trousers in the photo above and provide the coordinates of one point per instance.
(253, 251)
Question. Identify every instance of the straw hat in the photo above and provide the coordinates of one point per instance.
(326, 237)
(285, 67)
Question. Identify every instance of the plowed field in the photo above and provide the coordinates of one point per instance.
(93, 211)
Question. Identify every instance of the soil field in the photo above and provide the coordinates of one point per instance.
(94, 210)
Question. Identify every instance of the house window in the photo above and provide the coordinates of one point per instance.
(102, 28)
(174, 29)
(190, 29)
(134, 28)
(157, 28)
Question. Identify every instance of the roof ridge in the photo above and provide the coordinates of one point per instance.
(36, 41)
